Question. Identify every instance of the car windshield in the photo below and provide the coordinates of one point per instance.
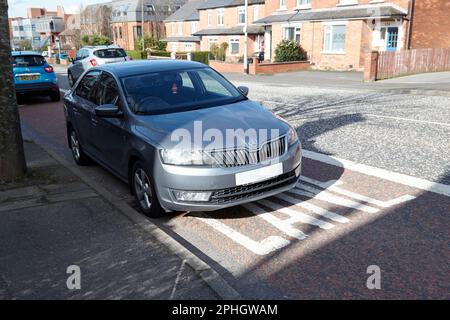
(110, 53)
(28, 61)
(178, 91)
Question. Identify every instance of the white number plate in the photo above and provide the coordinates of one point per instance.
(258, 175)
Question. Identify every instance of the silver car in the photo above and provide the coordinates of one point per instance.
(92, 56)
(181, 135)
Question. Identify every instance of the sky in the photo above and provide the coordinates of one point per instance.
(18, 8)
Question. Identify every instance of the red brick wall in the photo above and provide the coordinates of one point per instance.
(226, 66)
(431, 24)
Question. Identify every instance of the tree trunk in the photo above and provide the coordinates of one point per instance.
(12, 158)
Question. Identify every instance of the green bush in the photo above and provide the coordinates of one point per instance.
(95, 40)
(160, 53)
(135, 54)
(201, 56)
(289, 51)
(219, 52)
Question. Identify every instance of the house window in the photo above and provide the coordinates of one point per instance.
(120, 32)
(255, 13)
(304, 4)
(334, 38)
(209, 17)
(194, 27)
(220, 14)
(234, 45)
(137, 31)
(188, 47)
(348, 2)
(180, 28)
(292, 34)
(241, 15)
(282, 4)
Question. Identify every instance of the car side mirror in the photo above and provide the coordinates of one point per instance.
(108, 111)
(243, 90)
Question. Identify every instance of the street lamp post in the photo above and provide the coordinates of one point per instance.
(142, 27)
(245, 39)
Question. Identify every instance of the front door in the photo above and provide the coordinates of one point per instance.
(392, 39)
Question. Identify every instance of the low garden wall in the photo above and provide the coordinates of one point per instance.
(259, 68)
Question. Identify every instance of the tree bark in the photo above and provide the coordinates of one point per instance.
(12, 158)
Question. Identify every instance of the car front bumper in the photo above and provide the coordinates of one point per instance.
(221, 182)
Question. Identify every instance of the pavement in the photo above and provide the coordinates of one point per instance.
(374, 191)
(52, 220)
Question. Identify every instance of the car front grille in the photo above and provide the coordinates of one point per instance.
(242, 157)
(252, 190)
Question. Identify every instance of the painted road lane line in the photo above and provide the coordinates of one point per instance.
(332, 186)
(408, 119)
(313, 208)
(283, 225)
(406, 180)
(326, 196)
(266, 246)
(297, 216)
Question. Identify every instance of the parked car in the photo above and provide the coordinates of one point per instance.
(34, 76)
(129, 118)
(92, 56)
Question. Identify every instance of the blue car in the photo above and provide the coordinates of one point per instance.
(34, 76)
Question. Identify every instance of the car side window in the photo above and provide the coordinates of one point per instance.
(107, 90)
(87, 84)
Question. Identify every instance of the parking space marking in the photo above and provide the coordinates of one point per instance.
(313, 208)
(332, 186)
(406, 180)
(326, 196)
(266, 246)
(297, 216)
(283, 225)
(409, 119)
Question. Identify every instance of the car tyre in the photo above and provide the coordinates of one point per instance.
(144, 192)
(77, 152)
(55, 96)
(70, 79)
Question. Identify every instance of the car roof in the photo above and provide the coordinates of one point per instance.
(25, 53)
(112, 46)
(130, 68)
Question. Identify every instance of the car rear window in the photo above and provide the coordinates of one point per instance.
(110, 53)
(28, 61)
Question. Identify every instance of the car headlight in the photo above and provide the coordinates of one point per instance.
(292, 136)
(186, 157)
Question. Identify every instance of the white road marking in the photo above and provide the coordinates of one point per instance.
(406, 180)
(264, 247)
(283, 225)
(313, 208)
(63, 90)
(408, 119)
(297, 216)
(177, 279)
(331, 198)
(331, 186)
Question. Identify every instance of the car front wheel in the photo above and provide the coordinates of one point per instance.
(144, 192)
(70, 79)
(78, 155)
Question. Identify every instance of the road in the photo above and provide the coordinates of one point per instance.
(375, 190)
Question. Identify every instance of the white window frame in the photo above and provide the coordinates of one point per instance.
(180, 28)
(194, 26)
(347, 2)
(241, 10)
(303, 4)
(209, 13)
(283, 5)
(232, 40)
(297, 30)
(255, 13)
(188, 47)
(220, 16)
(328, 27)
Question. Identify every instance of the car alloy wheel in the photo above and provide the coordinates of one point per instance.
(144, 192)
(143, 189)
(70, 79)
(77, 152)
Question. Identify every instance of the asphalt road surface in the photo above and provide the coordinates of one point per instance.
(375, 191)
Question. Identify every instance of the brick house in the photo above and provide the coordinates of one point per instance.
(336, 34)
(430, 26)
(223, 21)
(181, 26)
(127, 19)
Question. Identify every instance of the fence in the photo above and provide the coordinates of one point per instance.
(400, 63)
